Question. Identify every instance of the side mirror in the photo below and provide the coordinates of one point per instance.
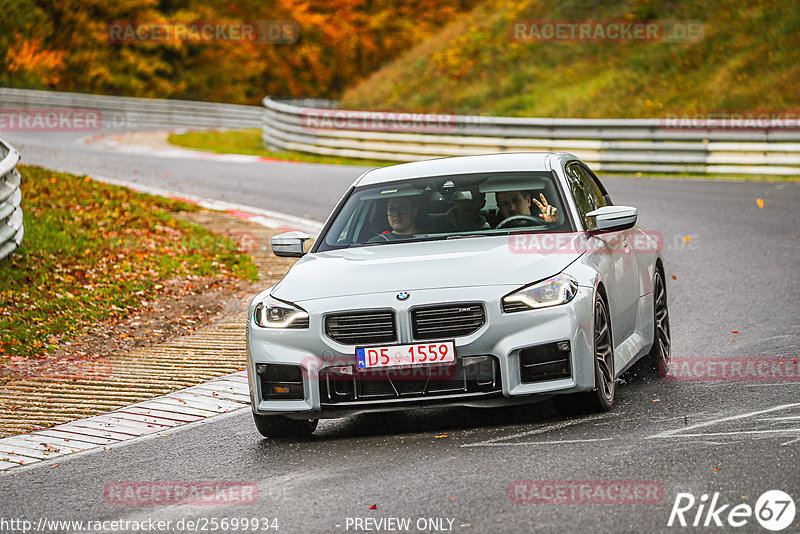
(289, 244)
(613, 218)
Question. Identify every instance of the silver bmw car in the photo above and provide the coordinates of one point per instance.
(469, 281)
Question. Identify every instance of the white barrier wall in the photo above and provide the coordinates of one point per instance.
(610, 145)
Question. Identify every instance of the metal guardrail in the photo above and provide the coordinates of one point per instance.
(11, 225)
(609, 145)
(122, 111)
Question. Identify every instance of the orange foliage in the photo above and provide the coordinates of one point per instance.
(340, 42)
(39, 65)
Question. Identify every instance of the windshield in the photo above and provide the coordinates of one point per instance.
(448, 207)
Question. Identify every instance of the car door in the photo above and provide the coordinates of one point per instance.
(611, 254)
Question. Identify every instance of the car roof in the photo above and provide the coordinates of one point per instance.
(507, 162)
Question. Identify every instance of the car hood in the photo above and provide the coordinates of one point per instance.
(479, 261)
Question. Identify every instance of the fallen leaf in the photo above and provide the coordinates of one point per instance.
(687, 238)
(674, 277)
(734, 331)
(716, 469)
(759, 203)
(441, 436)
(373, 507)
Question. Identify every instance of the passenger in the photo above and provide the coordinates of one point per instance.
(401, 214)
(513, 203)
(465, 215)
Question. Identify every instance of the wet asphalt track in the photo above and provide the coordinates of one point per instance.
(739, 438)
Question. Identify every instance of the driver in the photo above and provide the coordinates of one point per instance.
(513, 203)
(401, 214)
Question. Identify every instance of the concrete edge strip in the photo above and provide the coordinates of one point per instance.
(205, 401)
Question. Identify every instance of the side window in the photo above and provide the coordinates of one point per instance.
(583, 200)
(590, 184)
(587, 193)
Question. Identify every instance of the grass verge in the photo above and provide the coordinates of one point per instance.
(93, 252)
(248, 142)
(745, 59)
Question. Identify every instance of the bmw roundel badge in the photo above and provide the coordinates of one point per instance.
(403, 296)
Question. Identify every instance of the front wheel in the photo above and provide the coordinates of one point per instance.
(601, 398)
(662, 342)
(277, 426)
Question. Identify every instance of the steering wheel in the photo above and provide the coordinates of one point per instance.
(509, 221)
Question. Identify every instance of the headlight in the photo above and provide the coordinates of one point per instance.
(274, 313)
(559, 289)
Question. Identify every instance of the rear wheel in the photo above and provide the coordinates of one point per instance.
(662, 342)
(277, 426)
(601, 398)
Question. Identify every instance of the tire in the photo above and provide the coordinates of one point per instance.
(660, 352)
(601, 398)
(277, 426)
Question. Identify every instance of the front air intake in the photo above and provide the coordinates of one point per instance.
(545, 362)
(280, 381)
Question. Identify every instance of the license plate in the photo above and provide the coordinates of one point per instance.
(406, 355)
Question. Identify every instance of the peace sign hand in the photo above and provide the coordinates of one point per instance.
(547, 212)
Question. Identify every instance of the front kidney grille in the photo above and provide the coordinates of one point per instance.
(447, 321)
(362, 328)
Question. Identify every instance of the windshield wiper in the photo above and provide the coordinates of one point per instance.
(466, 236)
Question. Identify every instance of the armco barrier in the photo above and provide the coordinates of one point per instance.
(127, 112)
(609, 145)
(11, 227)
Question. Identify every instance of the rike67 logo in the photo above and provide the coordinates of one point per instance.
(774, 510)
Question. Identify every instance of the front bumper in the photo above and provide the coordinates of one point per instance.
(503, 336)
